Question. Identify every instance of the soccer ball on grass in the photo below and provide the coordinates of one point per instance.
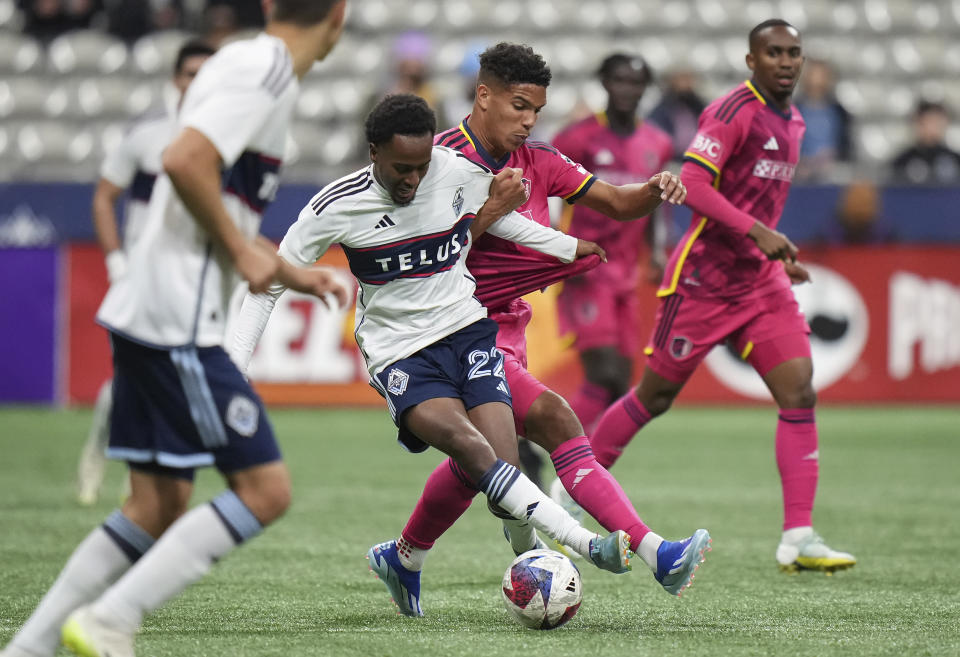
(542, 589)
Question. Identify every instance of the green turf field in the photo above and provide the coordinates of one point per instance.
(889, 492)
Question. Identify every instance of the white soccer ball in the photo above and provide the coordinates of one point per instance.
(542, 589)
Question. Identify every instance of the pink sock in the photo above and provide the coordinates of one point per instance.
(798, 461)
(618, 425)
(589, 402)
(446, 496)
(595, 489)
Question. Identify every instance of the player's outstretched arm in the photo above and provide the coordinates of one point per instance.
(517, 228)
(626, 202)
(507, 193)
(105, 198)
(193, 164)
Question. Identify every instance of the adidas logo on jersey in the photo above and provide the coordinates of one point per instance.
(771, 145)
(386, 222)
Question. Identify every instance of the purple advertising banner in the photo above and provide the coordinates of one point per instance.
(28, 324)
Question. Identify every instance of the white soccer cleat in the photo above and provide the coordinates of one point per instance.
(811, 553)
(84, 635)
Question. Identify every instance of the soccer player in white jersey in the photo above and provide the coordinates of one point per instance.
(406, 224)
(179, 402)
(131, 167)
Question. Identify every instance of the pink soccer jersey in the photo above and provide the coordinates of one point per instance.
(546, 172)
(751, 150)
(616, 159)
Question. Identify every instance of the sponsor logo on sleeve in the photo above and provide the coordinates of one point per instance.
(708, 146)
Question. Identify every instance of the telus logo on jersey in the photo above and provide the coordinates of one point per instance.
(416, 257)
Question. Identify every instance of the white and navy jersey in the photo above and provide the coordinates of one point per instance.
(135, 164)
(410, 260)
(179, 282)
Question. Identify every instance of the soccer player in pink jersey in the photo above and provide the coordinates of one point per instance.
(511, 91)
(600, 307)
(728, 280)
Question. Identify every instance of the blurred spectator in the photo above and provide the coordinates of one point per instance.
(47, 19)
(929, 161)
(859, 218)
(828, 136)
(131, 19)
(679, 109)
(224, 20)
(409, 73)
(457, 106)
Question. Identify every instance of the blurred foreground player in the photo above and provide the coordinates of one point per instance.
(131, 167)
(728, 280)
(179, 402)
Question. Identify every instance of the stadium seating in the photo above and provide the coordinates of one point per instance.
(57, 102)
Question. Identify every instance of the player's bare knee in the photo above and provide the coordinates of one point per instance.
(659, 402)
(551, 422)
(801, 397)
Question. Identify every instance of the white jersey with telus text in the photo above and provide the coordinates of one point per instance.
(410, 260)
(179, 282)
(135, 164)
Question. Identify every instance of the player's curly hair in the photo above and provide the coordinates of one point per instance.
(635, 62)
(511, 63)
(399, 114)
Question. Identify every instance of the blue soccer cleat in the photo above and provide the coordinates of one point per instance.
(403, 584)
(678, 560)
(612, 552)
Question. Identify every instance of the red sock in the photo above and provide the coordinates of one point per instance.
(446, 496)
(618, 425)
(799, 464)
(589, 402)
(595, 489)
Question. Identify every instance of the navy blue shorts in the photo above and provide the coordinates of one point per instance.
(465, 365)
(185, 408)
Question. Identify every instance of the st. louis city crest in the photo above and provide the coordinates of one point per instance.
(457, 202)
(397, 381)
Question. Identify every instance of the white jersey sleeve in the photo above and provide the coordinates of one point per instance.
(517, 228)
(231, 112)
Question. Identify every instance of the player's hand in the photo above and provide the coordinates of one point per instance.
(775, 245)
(258, 263)
(323, 283)
(797, 272)
(585, 248)
(671, 189)
(507, 192)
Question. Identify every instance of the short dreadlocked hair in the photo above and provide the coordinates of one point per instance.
(511, 63)
(399, 114)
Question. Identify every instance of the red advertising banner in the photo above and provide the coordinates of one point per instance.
(885, 322)
(88, 349)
